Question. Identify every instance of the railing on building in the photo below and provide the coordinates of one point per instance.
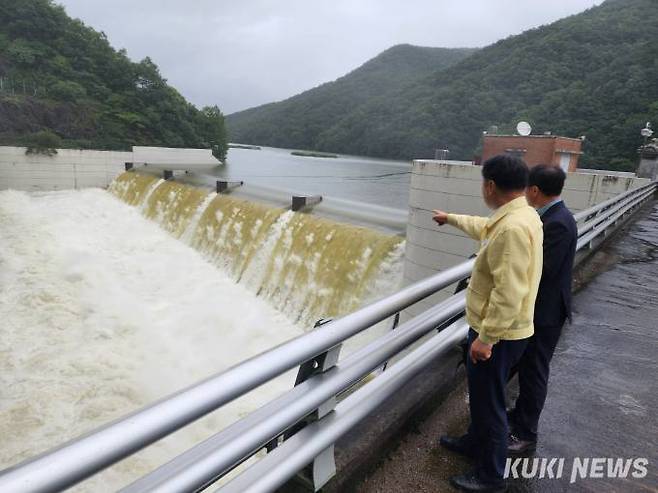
(276, 425)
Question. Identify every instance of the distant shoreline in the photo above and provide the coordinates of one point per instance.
(244, 146)
(313, 154)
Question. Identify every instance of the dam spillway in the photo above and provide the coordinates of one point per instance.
(108, 305)
(305, 266)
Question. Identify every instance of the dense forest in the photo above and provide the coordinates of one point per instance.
(593, 74)
(297, 122)
(63, 85)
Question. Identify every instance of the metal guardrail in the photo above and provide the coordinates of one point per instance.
(602, 206)
(599, 218)
(202, 465)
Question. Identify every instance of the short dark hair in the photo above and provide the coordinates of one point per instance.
(509, 173)
(549, 179)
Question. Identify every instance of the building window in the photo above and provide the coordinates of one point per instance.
(516, 152)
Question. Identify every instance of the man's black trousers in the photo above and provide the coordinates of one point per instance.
(534, 369)
(486, 387)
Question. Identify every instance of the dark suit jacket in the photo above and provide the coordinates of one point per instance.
(553, 303)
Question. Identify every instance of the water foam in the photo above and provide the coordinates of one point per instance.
(104, 312)
(305, 266)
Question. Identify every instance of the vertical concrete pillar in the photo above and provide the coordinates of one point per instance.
(430, 248)
(649, 161)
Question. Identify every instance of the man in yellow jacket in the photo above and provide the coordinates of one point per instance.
(500, 304)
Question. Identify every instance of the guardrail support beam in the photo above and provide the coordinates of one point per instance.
(323, 467)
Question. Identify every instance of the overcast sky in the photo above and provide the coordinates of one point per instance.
(242, 53)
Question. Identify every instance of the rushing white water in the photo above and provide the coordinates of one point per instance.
(103, 312)
(305, 266)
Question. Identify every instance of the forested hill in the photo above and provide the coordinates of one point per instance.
(592, 74)
(300, 121)
(61, 83)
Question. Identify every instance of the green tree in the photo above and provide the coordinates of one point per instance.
(80, 88)
(214, 131)
(23, 53)
(44, 142)
(67, 91)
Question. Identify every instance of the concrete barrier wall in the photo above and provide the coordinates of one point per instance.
(456, 188)
(67, 169)
(169, 157)
(72, 168)
(591, 171)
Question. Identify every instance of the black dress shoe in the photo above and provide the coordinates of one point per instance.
(471, 482)
(462, 445)
(516, 445)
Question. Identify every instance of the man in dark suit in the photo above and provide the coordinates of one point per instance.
(553, 305)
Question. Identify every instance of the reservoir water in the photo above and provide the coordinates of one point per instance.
(361, 179)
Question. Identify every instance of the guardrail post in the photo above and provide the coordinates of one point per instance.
(323, 467)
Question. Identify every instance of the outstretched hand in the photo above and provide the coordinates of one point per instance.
(439, 217)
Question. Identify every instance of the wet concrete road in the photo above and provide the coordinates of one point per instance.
(603, 392)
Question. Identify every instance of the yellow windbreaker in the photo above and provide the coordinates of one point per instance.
(501, 295)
